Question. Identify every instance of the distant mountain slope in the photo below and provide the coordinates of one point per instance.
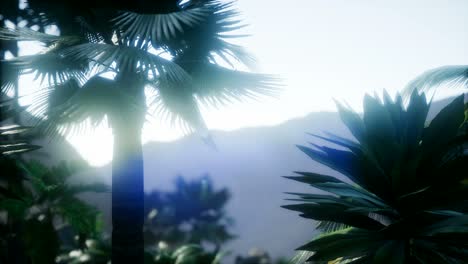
(250, 162)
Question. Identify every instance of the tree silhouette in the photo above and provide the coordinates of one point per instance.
(133, 40)
(193, 213)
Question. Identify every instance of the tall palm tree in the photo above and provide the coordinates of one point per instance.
(402, 195)
(125, 38)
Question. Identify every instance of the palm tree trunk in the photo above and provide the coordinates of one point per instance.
(127, 192)
(127, 179)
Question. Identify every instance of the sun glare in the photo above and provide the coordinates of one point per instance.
(343, 60)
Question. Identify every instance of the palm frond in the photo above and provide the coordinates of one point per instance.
(50, 66)
(347, 244)
(66, 59)
(328, 227)
(217, 85)
(49, 98)
(212, 85)
(127, 59)
(176, 103)
(208, 41)
(156, 28)
(9, 77)
(221, 27)
(301, 257)
(454, 76)
(97, 98)
(17, 147)
(26, 34)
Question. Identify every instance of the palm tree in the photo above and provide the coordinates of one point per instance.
(124, 38)
(402, 195)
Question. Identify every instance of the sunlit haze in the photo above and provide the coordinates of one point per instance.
(322, 49)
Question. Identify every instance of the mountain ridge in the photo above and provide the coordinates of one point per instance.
(250, 162)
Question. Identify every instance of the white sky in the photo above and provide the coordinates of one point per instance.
(326, 49)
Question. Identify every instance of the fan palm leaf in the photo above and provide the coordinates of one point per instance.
(156, 28)
(212, 85)
(26, 34)
(69, 105)
(218, 85)
(178, 104)
(452, 76)
(127, 58)
(193, 25)
(50, 67)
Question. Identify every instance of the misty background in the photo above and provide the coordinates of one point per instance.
(322, 50)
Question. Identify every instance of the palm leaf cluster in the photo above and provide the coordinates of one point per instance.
(129, 41)
(39, 200)
(403, 198)
(193, 213)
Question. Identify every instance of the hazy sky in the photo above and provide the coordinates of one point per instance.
(326, 49)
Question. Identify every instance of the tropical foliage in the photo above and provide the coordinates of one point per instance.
(191, 214)
(402, 194)
(14, 140)
(43, 204)
(171, 48)
(177, 223)
(36, 201)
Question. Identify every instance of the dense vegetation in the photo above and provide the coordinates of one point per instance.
(403, 193)
(193, 213)
(400, 196)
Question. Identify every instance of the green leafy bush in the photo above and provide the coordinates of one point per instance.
(193, 213)
(177, 224)
(45, 202)
(403, 195)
